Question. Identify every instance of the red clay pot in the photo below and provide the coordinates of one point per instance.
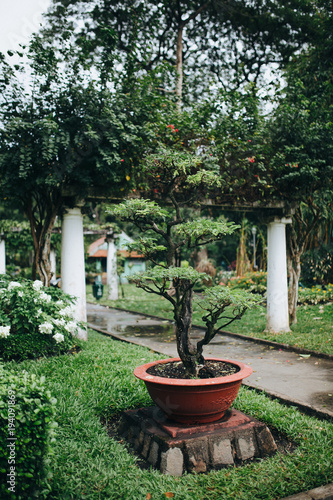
(190, 401)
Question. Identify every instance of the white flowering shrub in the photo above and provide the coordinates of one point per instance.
(35, 320)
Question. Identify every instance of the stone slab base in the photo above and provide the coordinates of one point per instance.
(175, 448)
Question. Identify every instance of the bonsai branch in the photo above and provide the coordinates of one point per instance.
(160, 290)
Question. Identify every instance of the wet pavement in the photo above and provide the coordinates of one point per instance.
(304, 380)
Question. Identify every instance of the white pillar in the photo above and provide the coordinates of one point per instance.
(73, 279)
(277, 284)
(2, 254)
(111, 268)
(53, 263)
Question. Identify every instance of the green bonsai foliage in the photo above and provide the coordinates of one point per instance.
(180, 180)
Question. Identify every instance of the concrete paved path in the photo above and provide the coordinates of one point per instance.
(304, 381)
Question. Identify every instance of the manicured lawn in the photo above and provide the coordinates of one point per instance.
(87, 464)
(314, 329)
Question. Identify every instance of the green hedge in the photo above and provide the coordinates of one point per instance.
(255, 282)
(26, 431)
(317, 266)
(315, 295)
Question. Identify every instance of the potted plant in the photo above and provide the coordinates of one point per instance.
(189, 389)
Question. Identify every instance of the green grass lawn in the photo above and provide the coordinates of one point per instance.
(88, 464)
(314, 328)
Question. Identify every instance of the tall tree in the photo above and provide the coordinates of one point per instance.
(306, 134)
(302, 163)
(204, 42)
(62, 138)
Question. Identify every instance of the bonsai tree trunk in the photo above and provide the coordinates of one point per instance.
(183, 317)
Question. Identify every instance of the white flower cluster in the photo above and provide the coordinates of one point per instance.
(59, 321)
(58, 337)
(37, 285)
(54, 321)
(67, 311)
(45, 297)
(46, 327)
(13, 284)
(4, 331)
(71, 326)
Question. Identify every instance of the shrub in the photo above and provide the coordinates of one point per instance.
(34, 321)
(255, 282)
(315, 295)
(26, 432)
(317, 266)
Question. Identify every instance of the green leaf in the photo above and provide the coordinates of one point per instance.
(219, 296)
(138, 210)
(172, 273)
(201, 230)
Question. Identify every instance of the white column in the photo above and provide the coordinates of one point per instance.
(53, 263)
(111, 268)
(277, 284)
(73, 279)
(2, 254)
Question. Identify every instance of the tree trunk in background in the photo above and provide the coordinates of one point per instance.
(41, 232)
(2, 254)
(243, 264)
(294, 272)
(41, 266)
(199, 255)
(203, 264)
(179, 67)
(298, 234)
(42, 263)
(179, 51)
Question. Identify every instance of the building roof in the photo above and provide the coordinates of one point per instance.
(96, 247)
(99, 248)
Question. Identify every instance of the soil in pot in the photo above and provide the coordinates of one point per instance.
(211, 369)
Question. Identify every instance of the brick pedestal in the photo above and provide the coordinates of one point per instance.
(175, 448)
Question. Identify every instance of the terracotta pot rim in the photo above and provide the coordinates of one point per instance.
(141, 373)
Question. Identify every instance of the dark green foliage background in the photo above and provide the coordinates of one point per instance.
(34, 412)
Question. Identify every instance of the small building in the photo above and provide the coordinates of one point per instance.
(97, 254)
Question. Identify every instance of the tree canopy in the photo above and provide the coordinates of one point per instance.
(202, 43)
(301, 141)
(64, 138)
(106, 81)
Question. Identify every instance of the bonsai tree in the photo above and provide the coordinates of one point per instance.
(179, 181)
